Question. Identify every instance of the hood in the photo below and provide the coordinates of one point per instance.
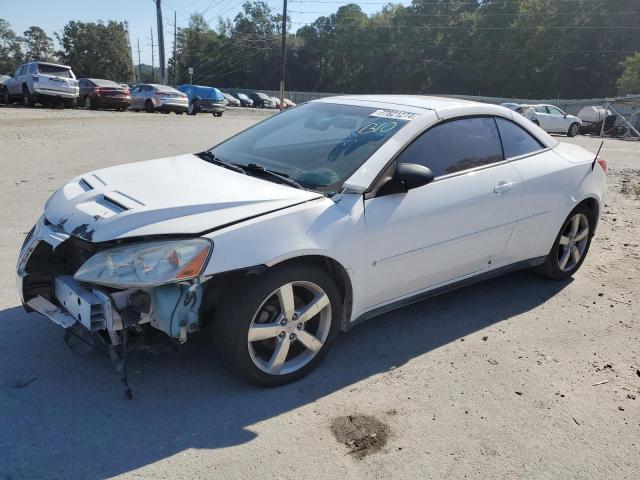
(175, 195)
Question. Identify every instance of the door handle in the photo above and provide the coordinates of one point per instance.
(505, 187)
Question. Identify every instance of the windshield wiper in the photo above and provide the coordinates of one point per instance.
(284, 178)
(211, 158)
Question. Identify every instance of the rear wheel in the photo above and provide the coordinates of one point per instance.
(278, 327)
(148, 106)
(573, 130)
(571, 245)
(192, 109)
(217, 114)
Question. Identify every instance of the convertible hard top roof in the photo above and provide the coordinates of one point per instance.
(417, 101)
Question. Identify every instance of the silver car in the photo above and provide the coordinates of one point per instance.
(152, 97)
(41, 82)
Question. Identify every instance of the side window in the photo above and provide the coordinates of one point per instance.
(20, 70)
(555, 111)
(32, 68)
(516, 140)
(456, 145)
(541, 109)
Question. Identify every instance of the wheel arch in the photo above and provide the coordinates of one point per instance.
(593, 204)
(219, 284)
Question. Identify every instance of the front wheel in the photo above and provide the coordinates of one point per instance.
(573, 130)
(571, 245)
(27, 98)
(148, 106)
(277, 328)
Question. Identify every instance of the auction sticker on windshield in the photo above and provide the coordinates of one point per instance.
(394, 114)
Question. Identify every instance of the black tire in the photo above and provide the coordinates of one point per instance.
(6, 96)
(574, 128)
(27, 98)
(551, 267)
(148, 106)
(88, 105)
(235, 316)
(179, 112)
(193, 108)
(217, 114)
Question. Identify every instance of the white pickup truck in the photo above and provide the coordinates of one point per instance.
(40, 82)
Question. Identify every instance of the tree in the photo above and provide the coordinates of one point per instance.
(10, 50)
(629, 81)
(37, 44)
(99, 50)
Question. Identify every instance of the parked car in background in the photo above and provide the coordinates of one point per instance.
(244, 100)
(276, 102)
(100, 93)
(44, 83)
(551, 119)
(263, 240)
(511, 106)
(152, 97)
(288, 103)
(262, 100)
(203, 99)
(231, 100)
(3, 80)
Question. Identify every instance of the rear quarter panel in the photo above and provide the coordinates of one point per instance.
(553, 183)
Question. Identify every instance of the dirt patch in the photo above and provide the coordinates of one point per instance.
(628, 181)
(362, 434)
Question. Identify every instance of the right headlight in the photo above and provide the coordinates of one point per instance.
(147, 264)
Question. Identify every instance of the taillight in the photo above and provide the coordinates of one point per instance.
(603, 164)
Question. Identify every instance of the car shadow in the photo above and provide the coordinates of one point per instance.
(62, 413)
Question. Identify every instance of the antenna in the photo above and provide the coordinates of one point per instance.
(593, 165)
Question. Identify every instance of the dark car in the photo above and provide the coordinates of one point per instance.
(203, 99)
(3, 79)
(100, 93)
(232, 101)
(244, 100)
(262, 100)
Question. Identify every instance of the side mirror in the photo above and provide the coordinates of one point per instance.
(565, 115)
(406, 177)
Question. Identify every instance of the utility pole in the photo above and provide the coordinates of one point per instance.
(163, 76)
(139, 64)
(283, 58)
(175, 41)
(153, 66)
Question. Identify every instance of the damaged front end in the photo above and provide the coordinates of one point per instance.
(110, 286)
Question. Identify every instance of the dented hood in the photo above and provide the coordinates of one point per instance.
(175, 195)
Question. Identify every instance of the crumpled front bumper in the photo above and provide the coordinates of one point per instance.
(173, 308)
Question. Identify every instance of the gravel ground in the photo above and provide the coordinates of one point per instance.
(517, 377)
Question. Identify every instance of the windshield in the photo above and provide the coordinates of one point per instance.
(319, 145)
(58, 71)
(105, 83)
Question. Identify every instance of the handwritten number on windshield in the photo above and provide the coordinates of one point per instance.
(377, 127)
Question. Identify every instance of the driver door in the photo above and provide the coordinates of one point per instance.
(456, 226)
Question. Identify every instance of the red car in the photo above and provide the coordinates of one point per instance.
(98, 93)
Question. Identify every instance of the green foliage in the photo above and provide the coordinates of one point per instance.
(10, 50)
(629, 81)
(99, 50)
(37, 44)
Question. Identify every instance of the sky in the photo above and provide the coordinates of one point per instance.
(141, 15)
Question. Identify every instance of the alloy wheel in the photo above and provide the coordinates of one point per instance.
(289, 328)
(573, 242)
